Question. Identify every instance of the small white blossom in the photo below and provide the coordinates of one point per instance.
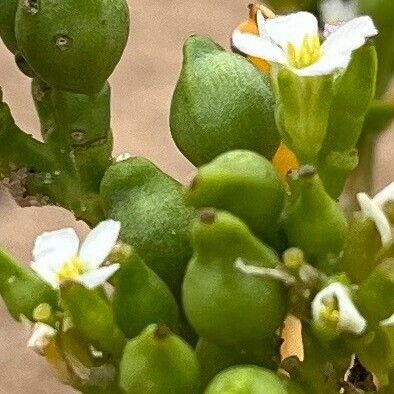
(41, 337)
(293, 40)
(333, 307)
(372, 208)
(57, 257)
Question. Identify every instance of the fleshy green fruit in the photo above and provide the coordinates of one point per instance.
(246, 380)
(155, 220)
(159, 362)
(224, 305)
(7, 23)
(221, 103)
(314, 221)
(140, 297)
(75, 44)
(243, 183)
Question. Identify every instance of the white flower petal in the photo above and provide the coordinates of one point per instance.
(326, 65)
(350, 318)
(260, 23)
(256, 46)
(41, 337)
(46, 274)
(385, 195)
(99, 243)
(54, 248)
(350, 36)
(373, 211)
(98, 276)
(388, 322)
(292, 28)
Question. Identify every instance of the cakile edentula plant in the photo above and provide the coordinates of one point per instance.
(185, 288)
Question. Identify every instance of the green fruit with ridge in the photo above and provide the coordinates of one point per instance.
(221, 103)
(159, 362)
(243, 183)
(74, 44)
(226, 306)
(155, 220)
(140, 297)
(246, 379)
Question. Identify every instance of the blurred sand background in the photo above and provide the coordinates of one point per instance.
(142, 86)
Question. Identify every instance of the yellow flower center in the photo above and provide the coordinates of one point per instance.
(308, 54)
(329, 311)
(71, 270)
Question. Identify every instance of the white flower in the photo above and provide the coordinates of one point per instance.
(41, 337)
(372, 208)
(293, 40)
(58, 258)
(333, 307)
(338, 11)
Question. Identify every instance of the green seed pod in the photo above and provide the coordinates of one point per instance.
(21, 290)
(214, 358)
(155, 220)
(246, 379)
(92, 316)
(73, 45)
(159, 362)
(243, 183)
(361, 248)
(221, 103)
(339, 154)
(7, 23)
(140, 297)
(314, 221)
(224, 305)
(375, 295)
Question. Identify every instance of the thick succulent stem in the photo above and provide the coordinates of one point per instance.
(67, 168)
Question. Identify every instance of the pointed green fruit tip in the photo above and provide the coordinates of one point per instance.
(306, 171)
(162, 332)
(207, 216)
(196, 46)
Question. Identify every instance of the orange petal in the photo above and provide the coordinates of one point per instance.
(284, 160)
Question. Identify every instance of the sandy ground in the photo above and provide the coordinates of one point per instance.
(142, 88)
